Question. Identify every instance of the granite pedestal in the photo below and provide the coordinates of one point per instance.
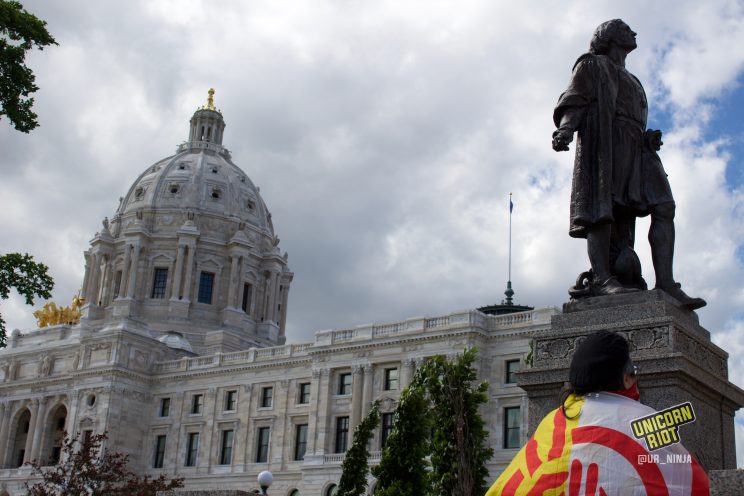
(677, 363)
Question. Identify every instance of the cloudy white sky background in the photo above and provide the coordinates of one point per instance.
(385, 137)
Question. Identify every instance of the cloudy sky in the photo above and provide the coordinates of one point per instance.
(386, 137)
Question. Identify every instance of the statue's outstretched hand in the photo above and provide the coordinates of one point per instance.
(653, 139)
(561, 139)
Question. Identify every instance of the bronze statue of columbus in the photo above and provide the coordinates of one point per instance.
(618, 175)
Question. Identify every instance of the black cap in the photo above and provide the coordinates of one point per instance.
(599, 362)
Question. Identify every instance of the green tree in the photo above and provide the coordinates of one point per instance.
(459, 450)
(355, 467)
(403, 467)
(29, 278)
(87, 469)
(20, 31)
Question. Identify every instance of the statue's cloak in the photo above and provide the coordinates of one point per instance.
(591, 97)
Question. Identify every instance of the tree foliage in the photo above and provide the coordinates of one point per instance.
(29, 278)
(87, 469)
(20, 31)
(355, 468)
(403, 467)
(438, 445)
(459, 450)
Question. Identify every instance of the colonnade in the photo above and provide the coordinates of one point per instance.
(26, 430)
(102, 285)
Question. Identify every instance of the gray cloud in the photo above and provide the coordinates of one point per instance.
(385, 137)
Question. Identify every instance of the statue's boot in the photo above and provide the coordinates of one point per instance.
(661, 239)
(675, 291)
(611, 286)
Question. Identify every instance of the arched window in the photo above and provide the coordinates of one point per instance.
(18, 454)
(294, 492)
(331, 491)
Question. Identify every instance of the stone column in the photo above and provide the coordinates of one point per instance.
(242, 456)
(271, 311)
(34, 409)
(356, 397)
(232, 284)
(209, 409)
(86, 277)
(91, 296)
(313, 413)
(176, 281)
(406, 373)
(133, 271)
(125, 271)
(4, 421)
(187, 284)
(369, 374)
(72, 412)
(39, 429)
(106, 280)
(283, 315)
(322, 392)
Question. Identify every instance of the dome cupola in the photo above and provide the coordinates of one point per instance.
(207, 124)
(191, 249)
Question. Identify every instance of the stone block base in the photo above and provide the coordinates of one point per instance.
(677, 363)
(726, 482)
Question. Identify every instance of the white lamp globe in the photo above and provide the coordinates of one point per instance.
(265, 478)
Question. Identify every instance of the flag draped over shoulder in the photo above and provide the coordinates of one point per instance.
(592, 451)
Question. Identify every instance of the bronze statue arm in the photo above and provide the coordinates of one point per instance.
(569, 123)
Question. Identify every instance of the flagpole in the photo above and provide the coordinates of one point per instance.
(510, 229)
(509, 291)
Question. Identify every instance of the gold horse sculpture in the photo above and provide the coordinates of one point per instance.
(51, 314)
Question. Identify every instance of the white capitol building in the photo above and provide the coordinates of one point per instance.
(181, 354)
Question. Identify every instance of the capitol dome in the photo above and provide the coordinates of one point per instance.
(191, 247)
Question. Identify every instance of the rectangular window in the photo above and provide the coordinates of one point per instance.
(206, 284)
(159, 281)
(247, 298)
(386, 422)
(192, 449)
(342, 434)
(56, 454)
(226, 447)
(303, 396)
(391, 379)
(159, 454)
(344, 383)
(512, 424)
(197, 403)
(231, 400)
(164, 407)
(262, 444)
(300, 442)
(267, 397)
(512, 366)
(117, 283)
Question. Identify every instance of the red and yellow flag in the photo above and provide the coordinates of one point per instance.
(592, 451)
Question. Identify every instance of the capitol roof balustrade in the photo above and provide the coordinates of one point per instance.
(235, 358)
(367, 332)
(203, 145)
(418, 325)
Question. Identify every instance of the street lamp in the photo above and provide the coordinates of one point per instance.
(264, 480)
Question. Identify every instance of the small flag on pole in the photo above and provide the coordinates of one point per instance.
(511, 205)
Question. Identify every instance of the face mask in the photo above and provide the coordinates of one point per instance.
(632, 392)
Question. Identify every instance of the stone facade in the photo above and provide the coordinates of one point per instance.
(181, 357)
(144, 393)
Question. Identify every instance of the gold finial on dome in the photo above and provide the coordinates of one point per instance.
(210, 101)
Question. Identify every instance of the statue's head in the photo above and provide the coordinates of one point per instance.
(616, 31)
